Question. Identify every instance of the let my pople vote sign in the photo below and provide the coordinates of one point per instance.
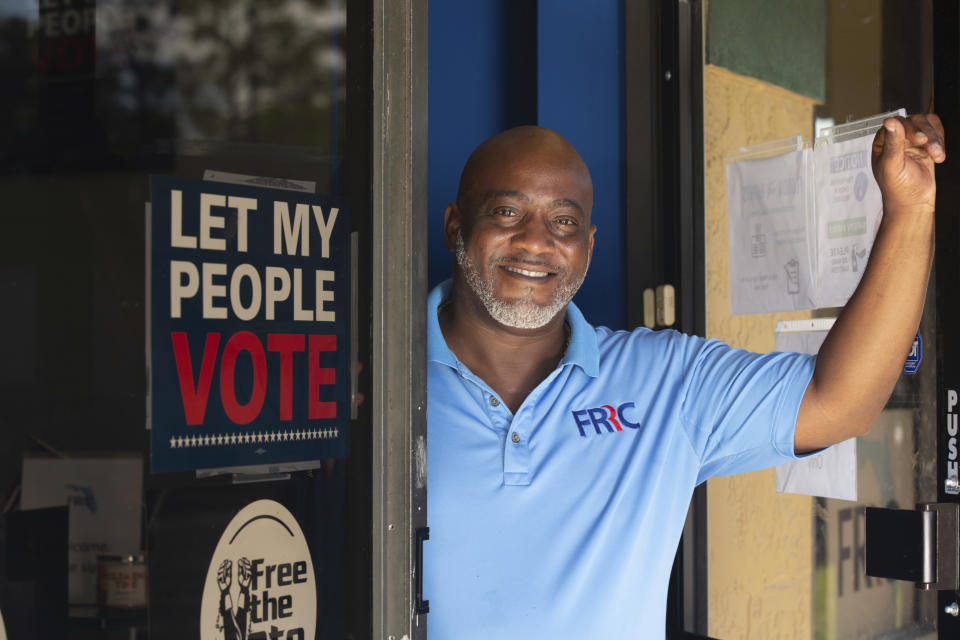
(249, 325)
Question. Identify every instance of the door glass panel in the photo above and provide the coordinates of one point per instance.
(897, 470)
(98, 95)
(872, 67)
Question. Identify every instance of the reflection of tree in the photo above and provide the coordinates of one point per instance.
(260, 71)
(18, 105)
(134, 86)
(248, 70)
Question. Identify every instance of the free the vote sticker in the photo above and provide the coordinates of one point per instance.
(260, 584)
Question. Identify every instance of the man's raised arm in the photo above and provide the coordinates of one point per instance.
(862, 357)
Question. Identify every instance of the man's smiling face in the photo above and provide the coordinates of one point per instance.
(521, 226)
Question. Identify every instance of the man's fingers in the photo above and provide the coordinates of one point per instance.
(922, 132)
(937, 125)
(914, 130)
(934, 129)
(894, 141)
(878, 141)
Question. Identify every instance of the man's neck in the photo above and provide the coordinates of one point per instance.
(512, 361)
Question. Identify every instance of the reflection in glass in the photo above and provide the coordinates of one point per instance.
(873, 66)
(97, 95)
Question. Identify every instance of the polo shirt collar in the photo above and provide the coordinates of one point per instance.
(582, 350)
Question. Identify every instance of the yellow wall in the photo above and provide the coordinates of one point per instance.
(760, 547)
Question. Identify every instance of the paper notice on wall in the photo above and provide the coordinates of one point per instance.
(104, 500)
(769, 236)
(849, 208)
(832, 473)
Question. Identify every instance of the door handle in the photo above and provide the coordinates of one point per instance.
(420, 605)
(921, 546)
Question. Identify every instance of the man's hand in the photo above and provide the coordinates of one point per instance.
(904, 152)
(244, 571)
(225, 575)
(861, 359)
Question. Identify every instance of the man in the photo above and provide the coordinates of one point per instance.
(562, 457)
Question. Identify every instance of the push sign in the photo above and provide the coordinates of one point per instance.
(249, 317)
(915, 355)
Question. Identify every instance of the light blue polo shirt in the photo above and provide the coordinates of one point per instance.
(562, 520)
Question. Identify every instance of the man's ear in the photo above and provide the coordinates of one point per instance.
(451, 225)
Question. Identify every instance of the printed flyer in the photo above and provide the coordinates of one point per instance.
(849, 208)
(769, 246)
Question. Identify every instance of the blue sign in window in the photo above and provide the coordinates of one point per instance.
(249, 325)
(915, 356)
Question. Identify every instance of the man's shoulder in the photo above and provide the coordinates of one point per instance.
(642, 338)
(641, 350)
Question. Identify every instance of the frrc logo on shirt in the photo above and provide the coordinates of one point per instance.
(612, 419)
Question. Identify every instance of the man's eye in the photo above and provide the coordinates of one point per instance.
(566, 222)
(504, 211)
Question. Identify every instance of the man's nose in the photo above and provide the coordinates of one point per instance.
(534, 236)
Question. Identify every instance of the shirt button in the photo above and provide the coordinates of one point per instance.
(494, 402)
(515, 437)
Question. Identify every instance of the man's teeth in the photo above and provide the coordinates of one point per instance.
(530, 274)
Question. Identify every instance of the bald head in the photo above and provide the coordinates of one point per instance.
(521, 149)
(520, 229)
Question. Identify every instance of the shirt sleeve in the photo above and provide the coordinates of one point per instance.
(740, 408)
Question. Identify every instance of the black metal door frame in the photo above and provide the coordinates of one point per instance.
(663, 86)
(946, 79)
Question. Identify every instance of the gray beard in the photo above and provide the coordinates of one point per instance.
(524, 313)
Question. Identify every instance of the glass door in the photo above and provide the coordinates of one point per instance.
(820, 65)
(98, 96)
(871, 69)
